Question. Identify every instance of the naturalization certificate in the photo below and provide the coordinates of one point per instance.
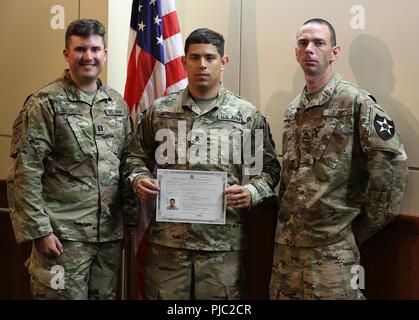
(191, 196)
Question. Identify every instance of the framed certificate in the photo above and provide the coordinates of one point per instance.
(191, 196)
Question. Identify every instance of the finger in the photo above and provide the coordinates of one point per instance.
(150, 189)
(51, 252)
(150, 184)
(59, 247)
(241, 206)
(150, 192)
(147, 183)
(237, 206)
(155, 182)
(235, 202)
(236, 196)
(147, 194)
(233, 189)
(55, 252)
(239, 202)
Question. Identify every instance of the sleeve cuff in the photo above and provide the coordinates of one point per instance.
(133, 180)
(33, 234)
(256, 198)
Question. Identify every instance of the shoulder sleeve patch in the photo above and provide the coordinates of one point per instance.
(16, 141)
(380, 131)
(384, 127)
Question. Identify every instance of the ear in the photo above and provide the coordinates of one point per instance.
(295, 52)
(65, 54)
(106, 54)
(334, 55)
(224, 62)
(184, 61)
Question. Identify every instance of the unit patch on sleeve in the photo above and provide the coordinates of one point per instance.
(385, 128)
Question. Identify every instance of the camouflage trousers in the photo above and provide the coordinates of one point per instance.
(172, 273)
(83, 271)
(315, 273)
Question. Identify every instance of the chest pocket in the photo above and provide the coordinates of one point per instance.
(113, 130)
(331, 137)
(80, 128)
(228, 142)
(170, 132)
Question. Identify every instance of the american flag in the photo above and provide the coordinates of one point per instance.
(155, 61)
(154, 69)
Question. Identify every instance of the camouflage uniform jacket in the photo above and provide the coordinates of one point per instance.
(66, 154)
(229, 112)
(342, 159)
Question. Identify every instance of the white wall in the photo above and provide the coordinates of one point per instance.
(119, 16)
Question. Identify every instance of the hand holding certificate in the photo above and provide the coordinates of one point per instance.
(191, 196)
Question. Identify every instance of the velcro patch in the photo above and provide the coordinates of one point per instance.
(99, 129)
(337, 112)
(68, 110)
(167, 114)
(114, 112)
(233, 118)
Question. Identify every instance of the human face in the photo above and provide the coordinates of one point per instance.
(204, 67)
(314, 51)
(86, 58)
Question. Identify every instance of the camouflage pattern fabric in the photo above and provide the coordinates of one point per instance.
(67, 150)
(341, 167)
(83, 271)
(229, 112)
(315, 273)
(215, 275)
(344, 170)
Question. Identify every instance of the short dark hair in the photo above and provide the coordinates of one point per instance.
(206, 36)
(172, 199)
(328, 24)
(84, 28)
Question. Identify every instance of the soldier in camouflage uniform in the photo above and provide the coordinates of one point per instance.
(68, 144)
(344, 177)
(200, 261)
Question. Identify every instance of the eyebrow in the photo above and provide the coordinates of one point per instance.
(315, 39)
(202, 55)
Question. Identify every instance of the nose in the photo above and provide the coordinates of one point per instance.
(202, 64)
(309, 48)
(87, 55)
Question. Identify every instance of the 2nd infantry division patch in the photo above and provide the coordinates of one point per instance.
(384, 127)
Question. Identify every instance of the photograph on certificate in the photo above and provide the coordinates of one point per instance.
(172, 203)
(191, 196)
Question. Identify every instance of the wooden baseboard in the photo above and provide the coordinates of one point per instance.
(391, 261)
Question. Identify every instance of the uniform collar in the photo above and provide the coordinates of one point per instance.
(324, 95)
(77, 95)
(189, 103)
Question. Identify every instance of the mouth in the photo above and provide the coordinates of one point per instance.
(87, 65)
(310, 62)
(202, 77)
